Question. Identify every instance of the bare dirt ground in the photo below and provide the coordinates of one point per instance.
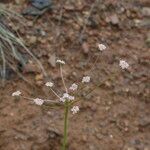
(116, 116)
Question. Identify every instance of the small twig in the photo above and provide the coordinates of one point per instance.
(61, 72)
(85, 22)
(55, 93)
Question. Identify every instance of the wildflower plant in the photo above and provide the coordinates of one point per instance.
(69, 98)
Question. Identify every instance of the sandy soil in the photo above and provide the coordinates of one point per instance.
(116, 115)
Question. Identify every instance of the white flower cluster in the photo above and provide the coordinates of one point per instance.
(50, 84)
(38, 101)
(123, 64)
(17, 93)
(75, 109)
(60, 62)
(67, 97)
(86, 79)
(101, 47)
(73, 87)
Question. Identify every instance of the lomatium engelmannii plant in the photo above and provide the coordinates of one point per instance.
(68, 99)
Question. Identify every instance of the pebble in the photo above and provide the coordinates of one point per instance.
(131, 148)
(53, 133)
(39, 77)
(85, 47)
(31, 68)
(41, 4)
(99, 136)
(92, 147)
(84, 138)
(32, 39)
(148, 40)
(113, 19)
(146, 11)
(30, 23)
(52, 60)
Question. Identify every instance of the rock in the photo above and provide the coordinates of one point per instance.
(85, 47)
(52, 60)
(43, 33)
(31, 68)
(29, 23)
(146, 11)
(113, 19)
(144, 121)
(32, 39)
(38, 7)
(42, 40)
(92, 147)
(146, 148)
(41, 4)
(39, 77)
(99, 136)
(148, 40)
(21, 136)
(53, 133)
(9, 73)
(145, 23)
(91, 22)
(131, 148)
(19, 2)
(32, 11)
(84, 138)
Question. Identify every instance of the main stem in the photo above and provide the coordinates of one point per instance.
(65, 126)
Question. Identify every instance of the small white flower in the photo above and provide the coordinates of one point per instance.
(60, 61)
(123, 64)
(86, 79)
(71, 97)
(38, 101)
(65, 95)
(68, 97)
(17, 93)
(73, 87)
(62, 100)
(101, 47)
(50, 84)
(75, 109)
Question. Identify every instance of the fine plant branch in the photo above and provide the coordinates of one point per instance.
(55, 93)
(80, 35)
(62, 77)
(101, 83)
(94, 64)
(86, 19)
(46, 100)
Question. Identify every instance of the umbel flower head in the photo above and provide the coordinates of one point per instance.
(67, 97)
(101, 47)
(38, 101)
(123, 64)
(60, 62)
(86, 79)
(17, 93)
(73, 87)
(75, 109)
(50, 84)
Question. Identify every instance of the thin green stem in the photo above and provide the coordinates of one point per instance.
(65, 126)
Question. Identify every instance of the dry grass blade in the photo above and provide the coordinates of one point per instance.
(10, 44)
